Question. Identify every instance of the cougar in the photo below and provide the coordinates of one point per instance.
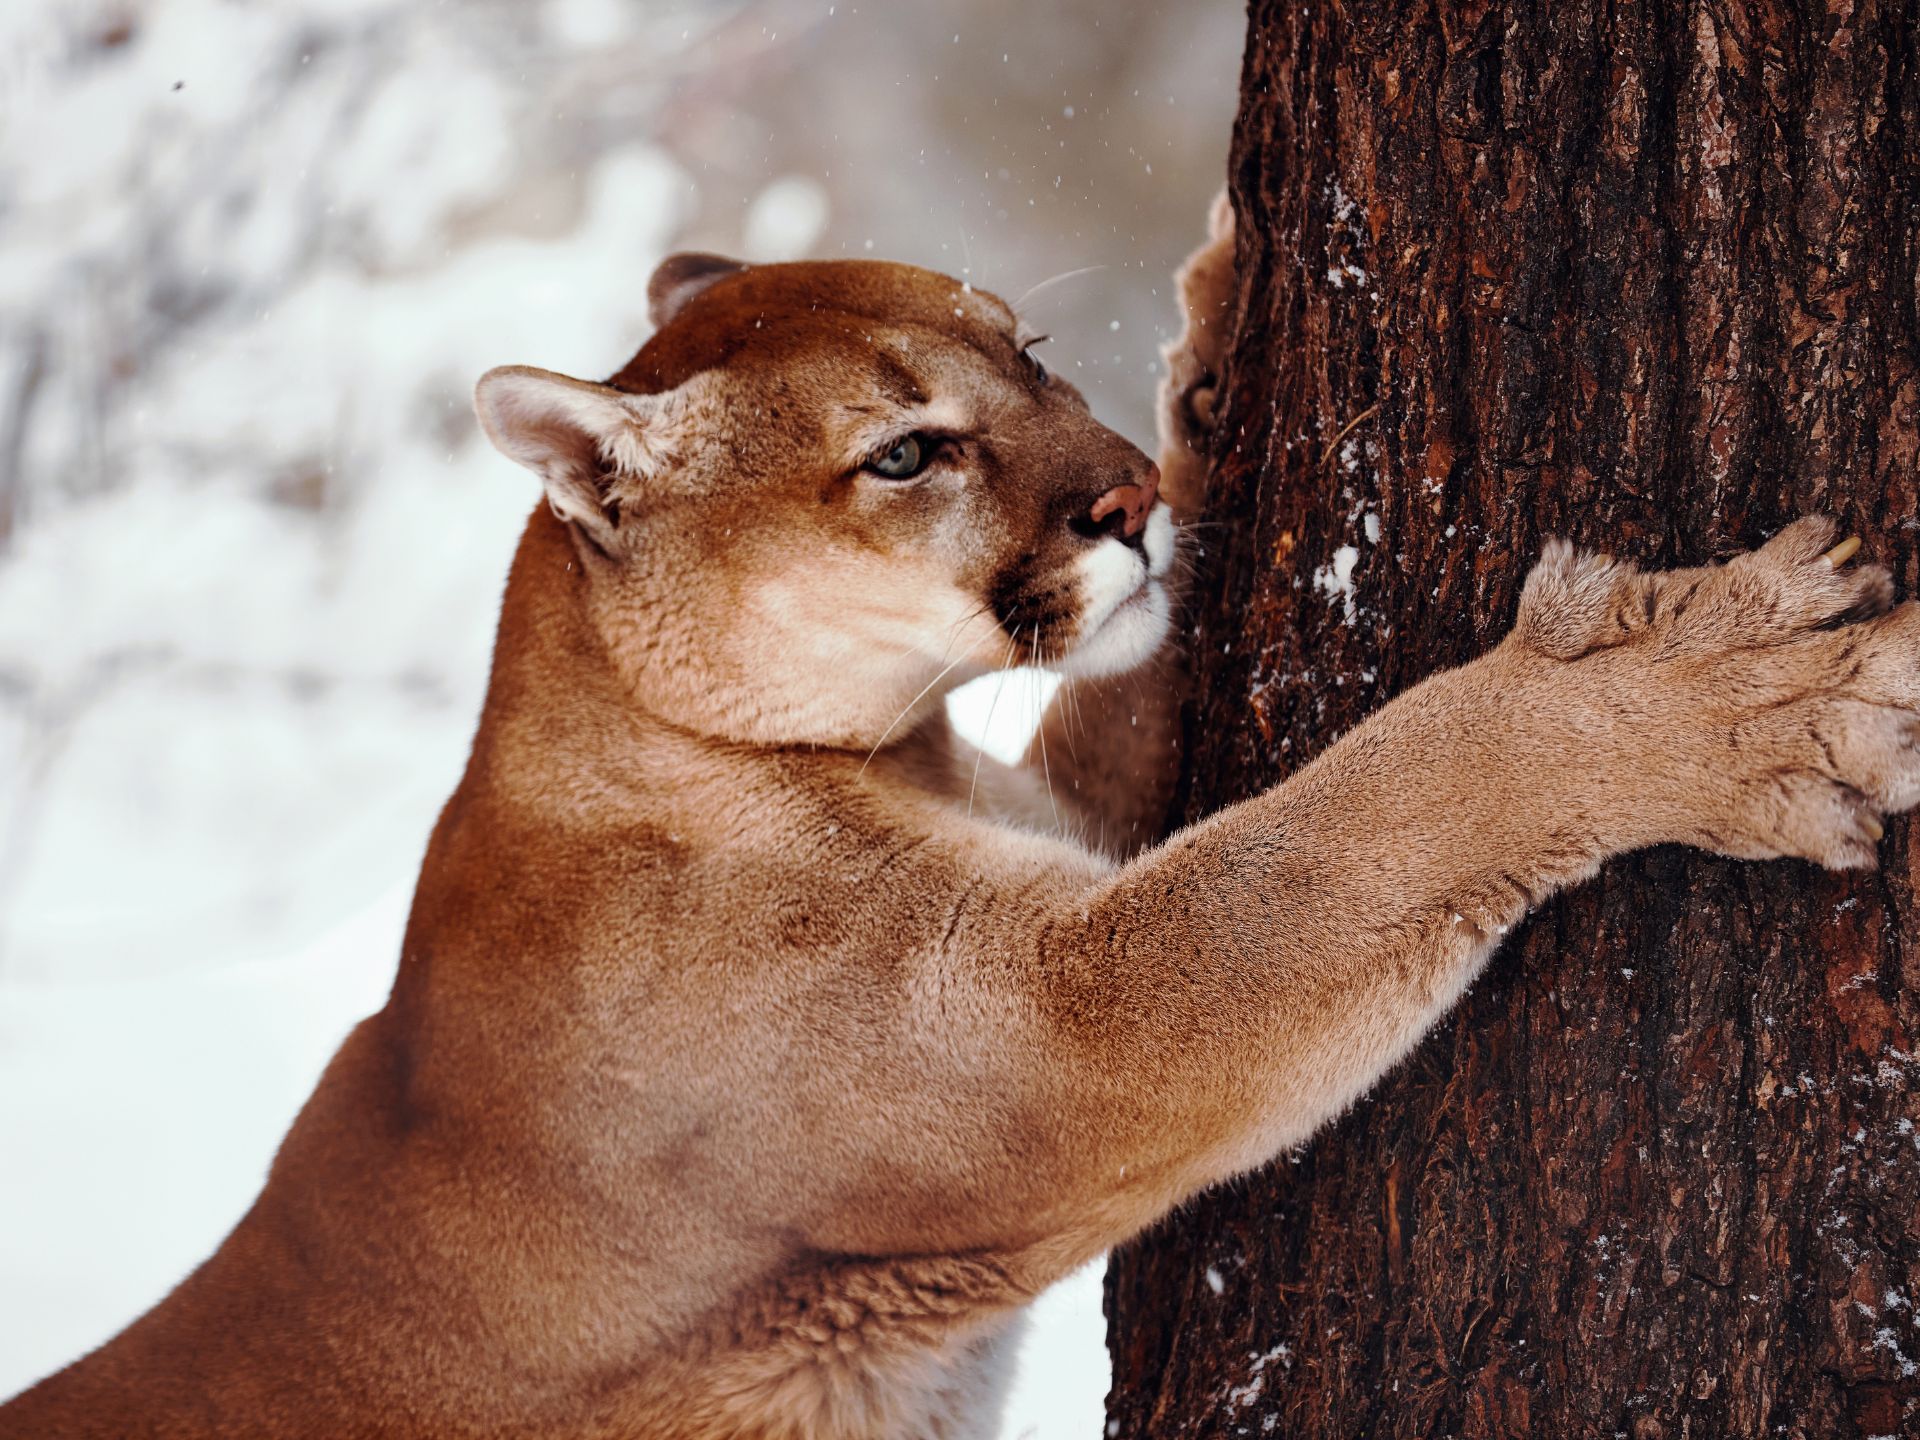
(759, 1048)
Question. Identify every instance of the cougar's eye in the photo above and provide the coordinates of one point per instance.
(904, 459)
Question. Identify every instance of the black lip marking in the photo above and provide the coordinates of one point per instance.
(1034, 611)
(1007, 595)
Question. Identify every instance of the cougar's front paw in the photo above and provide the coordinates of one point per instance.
(1781, 690)
(1575, 602)
(1189, 391)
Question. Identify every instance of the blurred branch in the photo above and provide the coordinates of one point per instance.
(21, 398)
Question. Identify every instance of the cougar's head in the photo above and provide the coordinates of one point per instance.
(824, 493)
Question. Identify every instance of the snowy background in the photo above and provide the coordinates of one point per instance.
(252, 257)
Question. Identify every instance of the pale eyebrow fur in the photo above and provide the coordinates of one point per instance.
(943, 415)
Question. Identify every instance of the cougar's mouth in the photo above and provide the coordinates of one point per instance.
(1104, 613)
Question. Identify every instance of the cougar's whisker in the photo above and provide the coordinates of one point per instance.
(979, 750)
(1053, 280)
(907, 710)
(1046, 765)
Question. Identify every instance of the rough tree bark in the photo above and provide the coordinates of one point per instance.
(1642, 274)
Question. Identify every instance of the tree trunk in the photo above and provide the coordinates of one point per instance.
(1642, 274)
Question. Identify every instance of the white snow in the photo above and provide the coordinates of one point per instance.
(138, 1144)
(1335, 581)
(786, 219)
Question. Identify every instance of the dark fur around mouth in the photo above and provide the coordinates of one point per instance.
(1040, 613)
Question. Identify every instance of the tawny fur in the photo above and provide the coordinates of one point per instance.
(758, 1050)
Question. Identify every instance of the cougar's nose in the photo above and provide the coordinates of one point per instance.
(1132, 502)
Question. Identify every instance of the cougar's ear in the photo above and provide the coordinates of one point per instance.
(578, 437)
(681, 277)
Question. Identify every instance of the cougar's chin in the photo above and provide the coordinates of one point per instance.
(1127, 637)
